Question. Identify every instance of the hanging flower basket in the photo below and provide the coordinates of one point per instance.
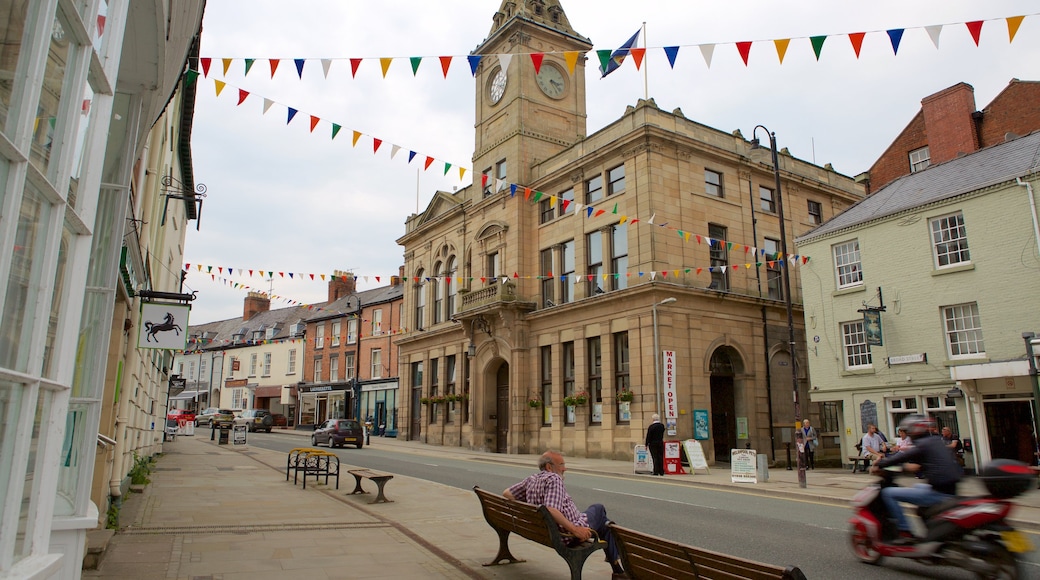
(534, 403)
(424, 400)
(451, 398)
(437, 399)
(625, 396)
(569, 402)
(581, 397)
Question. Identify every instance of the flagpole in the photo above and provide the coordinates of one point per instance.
(646, 65)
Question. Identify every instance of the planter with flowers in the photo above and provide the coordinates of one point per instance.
(437, 399)
(534, 403)
(581, 397)
(451, 397)
(625, 396)
(424, 400)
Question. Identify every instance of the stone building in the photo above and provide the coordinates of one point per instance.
(542, 318)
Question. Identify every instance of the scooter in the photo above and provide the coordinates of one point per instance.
(967, 532)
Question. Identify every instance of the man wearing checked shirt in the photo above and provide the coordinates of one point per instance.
(546, 488)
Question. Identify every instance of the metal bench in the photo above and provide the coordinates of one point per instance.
(377, 476)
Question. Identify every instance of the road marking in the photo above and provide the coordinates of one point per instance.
(657, 498)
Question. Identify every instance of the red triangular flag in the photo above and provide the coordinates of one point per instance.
(637, 55)
(205, 65)
(242, 94)
(314, 122)
(375, 144)
(975, 28)
(445, 63)
(536, 58)
(274, 66)
(745, 50)
(857, 41)
(429, 160)
(354, 63)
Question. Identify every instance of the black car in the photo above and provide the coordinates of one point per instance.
(339, 432)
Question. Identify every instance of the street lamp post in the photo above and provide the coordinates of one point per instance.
(785, 264)
(356, 388)
(1030, 337)
(657, 354)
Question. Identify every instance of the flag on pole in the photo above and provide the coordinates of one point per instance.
(618, 56)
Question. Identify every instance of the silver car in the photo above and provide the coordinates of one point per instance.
(212, 416)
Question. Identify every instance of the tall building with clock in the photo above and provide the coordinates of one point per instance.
(533, 322)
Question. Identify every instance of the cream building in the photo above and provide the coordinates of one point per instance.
(81, 85)
(518, 303)
(950, 252)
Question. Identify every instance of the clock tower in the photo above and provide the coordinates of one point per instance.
(523, 116)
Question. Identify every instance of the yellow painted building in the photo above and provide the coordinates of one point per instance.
(520, 299)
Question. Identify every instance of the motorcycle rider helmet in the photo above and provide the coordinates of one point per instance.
(917, 426)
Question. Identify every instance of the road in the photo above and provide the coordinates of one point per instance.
(809, 534)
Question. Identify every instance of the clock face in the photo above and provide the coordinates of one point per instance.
(498, 87)
(551, 81)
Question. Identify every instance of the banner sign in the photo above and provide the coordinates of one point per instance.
(872, 327)
(671, 406)
(162, 326)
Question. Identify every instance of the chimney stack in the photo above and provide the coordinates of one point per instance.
(949, 124)
(342, 284)
(396, 280)
(255, 303)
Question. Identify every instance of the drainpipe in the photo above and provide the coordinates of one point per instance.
(1032, 208)
(118, 454)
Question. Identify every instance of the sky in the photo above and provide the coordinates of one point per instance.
(283, 199)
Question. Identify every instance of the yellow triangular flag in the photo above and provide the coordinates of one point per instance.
(1013, 23)
(227, 63)
(781, 47)
(572, 59)
(357, 136)
(219, 85)
(385, 63)
(462, 172)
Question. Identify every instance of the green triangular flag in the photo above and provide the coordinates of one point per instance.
(615, 208)
(817, 44)
(249, 64)
(604, 58)
(537, 196)
(335, 130)
(416, 60)
(447, 166)
(190, 76)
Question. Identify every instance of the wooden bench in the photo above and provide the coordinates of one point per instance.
(857, 460)
(317, 463)
(646, 556)
(376, 476)
(534, 523)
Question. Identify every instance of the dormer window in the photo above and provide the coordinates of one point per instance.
(237, 337)
(296, 330)
(258, 335)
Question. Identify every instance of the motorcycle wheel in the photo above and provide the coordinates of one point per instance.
(1005, 563)
(862, 545)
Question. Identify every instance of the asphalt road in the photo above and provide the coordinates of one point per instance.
(776, 530)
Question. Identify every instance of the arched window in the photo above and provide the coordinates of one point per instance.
(451, 287)
(420, 300)
(438, 294)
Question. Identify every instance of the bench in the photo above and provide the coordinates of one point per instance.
(857, 460)
(316, 463)
(534, 523)
(646, 556)
(376, 476)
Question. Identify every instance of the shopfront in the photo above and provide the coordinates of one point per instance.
(379, 405)
(321, 402)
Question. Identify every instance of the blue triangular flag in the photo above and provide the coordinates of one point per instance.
(411, 155)
(292, 113)
(672, 52)
(895, 35)
(474, 62)
(299, 66)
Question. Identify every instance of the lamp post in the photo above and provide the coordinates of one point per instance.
(1030, 337)
(356, 387)
(657, 354)
(787, 296)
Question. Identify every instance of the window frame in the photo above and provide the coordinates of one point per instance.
(714, 189)
(854, 353)
(594, 377)
(290, 363)
(923, 159)
(336, 326)
(594, 189)
(718, 257)
(774, 273)
(377, 363)
(547, 384)
(618, 261)
(613, 179)
(593, 248)
(972, 336)
(847, 269)
(266, 368)
(622, 371)
(815, 210)
(767, 199)
(942, 238)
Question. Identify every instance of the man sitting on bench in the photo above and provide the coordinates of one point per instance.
(546, 488)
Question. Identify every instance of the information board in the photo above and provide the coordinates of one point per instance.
(695, 455)
(673, 458)
(643, 463)
(743, 465)
(239, 437)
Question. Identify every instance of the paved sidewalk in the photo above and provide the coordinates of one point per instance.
(221, 512)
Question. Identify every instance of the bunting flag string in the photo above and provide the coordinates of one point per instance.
(780, 45)
(315, 120)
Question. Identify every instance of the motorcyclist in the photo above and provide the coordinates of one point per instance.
(936, 464)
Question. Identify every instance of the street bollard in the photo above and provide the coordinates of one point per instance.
(788, 446)
(212, 430)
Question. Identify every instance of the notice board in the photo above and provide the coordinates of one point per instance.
(695, 455)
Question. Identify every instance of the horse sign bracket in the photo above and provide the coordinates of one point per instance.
(173, 189)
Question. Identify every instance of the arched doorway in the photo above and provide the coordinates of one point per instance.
(501, 398)
(724, 366)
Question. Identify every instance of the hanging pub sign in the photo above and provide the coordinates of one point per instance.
(872, 327)
(162, 326)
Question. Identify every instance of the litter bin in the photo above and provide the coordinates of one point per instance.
(225, 433)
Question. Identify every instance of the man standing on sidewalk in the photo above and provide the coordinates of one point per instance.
(655, 443)
(546, 488)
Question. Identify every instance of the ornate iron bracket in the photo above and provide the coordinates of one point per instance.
(173, 189)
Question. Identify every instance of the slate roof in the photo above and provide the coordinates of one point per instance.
(223, 330)
(986, 167)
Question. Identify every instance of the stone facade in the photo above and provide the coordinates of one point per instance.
(550, 301)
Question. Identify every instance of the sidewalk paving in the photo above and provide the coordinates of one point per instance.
(223, 512)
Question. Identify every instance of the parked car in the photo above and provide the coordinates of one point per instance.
(208, 416)
(180, 415)
(339, 432)
(280, 420)
(255, 419)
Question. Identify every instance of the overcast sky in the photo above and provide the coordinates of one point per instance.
(283, 199)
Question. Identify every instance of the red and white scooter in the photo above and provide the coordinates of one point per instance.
(967, 532)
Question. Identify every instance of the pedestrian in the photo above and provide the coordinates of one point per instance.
(873, 445)
(811, 439)
(547, 488)
(903, 441)
(953, 444)
(655, 443)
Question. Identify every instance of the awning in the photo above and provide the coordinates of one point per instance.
(190, 396)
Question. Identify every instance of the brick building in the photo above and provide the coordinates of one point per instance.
(653, 234)
(948, 126)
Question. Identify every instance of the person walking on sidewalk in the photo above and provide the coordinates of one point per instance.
(655, 443)
(546, 488)
(811, 439)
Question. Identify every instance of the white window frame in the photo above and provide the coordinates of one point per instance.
(238, 399)
(352, 326)
(848, 267)
(377, 363)
(920, 159)
(317, 370)
(377, 322)
(949, 241)
(267, 364)
(333, 369)
(348, 366)
(252, 364)
(855, 351)
(336, 327)
(962, 326)
(291, 363)
(319, 335)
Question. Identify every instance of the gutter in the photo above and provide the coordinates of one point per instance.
(1032, 208)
